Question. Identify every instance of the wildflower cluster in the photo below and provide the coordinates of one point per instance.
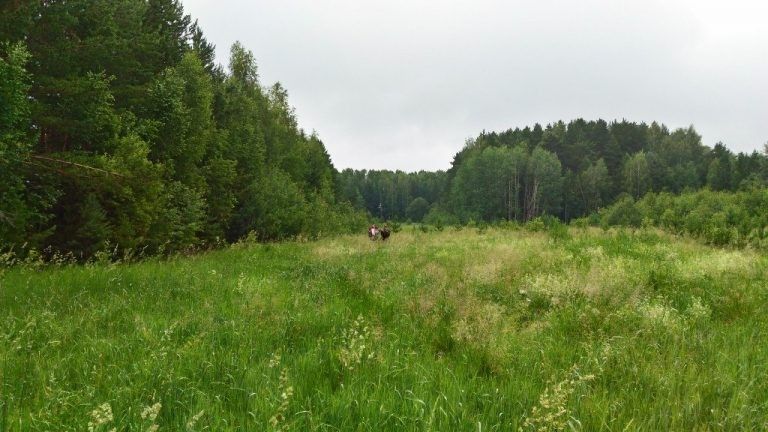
(356, 344)
(241, 281)
(286, 393)
(100, 417)
(274, 360)
(552, 286)
(149, 414)
(660, 315)
(193, 421)
(698, 311)
(552, 413)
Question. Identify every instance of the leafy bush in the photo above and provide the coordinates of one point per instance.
(718, 218)
(437, 215)
(535, 225)
(623, 213)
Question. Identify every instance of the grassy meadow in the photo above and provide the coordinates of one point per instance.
(475, 330)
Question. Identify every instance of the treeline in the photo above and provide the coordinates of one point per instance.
(394, 195)
(118, 130)
(575, 169)
(719, 218)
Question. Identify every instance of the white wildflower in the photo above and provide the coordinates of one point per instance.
(100, 416)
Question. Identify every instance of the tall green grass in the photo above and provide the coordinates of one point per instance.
(454, 330)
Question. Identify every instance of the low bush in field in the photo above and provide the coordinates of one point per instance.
(719, 218)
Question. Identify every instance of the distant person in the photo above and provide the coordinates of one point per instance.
(373, 232)
(385, 233)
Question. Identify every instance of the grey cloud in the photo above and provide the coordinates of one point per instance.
(414, 79)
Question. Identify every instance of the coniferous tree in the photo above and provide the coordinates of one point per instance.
(15, 211)
(139, 141)
(720, 169)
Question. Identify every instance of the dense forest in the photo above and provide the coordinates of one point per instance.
(563, 170)
(394, 195)
(119, 131)
(570, 170)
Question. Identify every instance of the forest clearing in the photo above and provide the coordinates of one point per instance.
(459, 329)
(183, 246)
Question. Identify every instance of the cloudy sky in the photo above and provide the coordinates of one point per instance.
(401, 84)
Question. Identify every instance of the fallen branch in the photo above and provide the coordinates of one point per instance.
(50, 168)
(7, 220)
(61, 161)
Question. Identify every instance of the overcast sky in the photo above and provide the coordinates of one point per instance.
(401, 84)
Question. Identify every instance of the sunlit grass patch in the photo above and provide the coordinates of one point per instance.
(331, 250)
(660, 316)
(718, 262)
(497, 262)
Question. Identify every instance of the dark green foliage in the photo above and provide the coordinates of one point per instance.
(594, 185)
(25, 195)
(719, 218)
(489, 184)
(93, 230)
(438, 216)
(566, 170)
(117, 129)
(417, 209)
(720, 169)
(183, 217)
(543, 184)
(204, 50)
(169, 28)
(220, 175)
(623, 213)
(14, 146)
(277, 208)
(387, 194)
(80, 116)
(637, 175)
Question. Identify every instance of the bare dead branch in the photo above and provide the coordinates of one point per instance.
(7, 219)
(61, 161)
